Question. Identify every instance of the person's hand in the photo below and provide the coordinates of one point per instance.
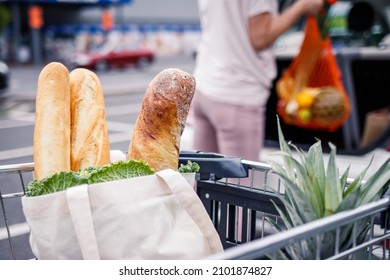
(310, 6)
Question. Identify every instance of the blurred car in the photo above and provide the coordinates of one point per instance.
(4, 77)
(113, 56)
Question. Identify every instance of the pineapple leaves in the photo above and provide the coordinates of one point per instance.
(298, 208)
(350, 201)
(357, 182)
(287, 152)
(316, 165)
(374, 186)
(333, 190)
(314, 190)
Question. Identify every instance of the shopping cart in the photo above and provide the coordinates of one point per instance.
(240, 210)
(239, 196)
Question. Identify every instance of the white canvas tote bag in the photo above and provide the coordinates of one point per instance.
(151, 217)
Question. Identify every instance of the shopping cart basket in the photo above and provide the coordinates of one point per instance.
(237, 195)
(240, 209)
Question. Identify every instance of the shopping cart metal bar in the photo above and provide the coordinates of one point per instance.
(264, 247)
(17, 168)
(238, 213)
(7, 226)
(239, 207)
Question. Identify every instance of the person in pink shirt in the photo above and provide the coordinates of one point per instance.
(234, 70)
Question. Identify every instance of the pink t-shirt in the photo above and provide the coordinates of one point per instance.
(228, 69)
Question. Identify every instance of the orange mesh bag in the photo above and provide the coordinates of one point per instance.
(310, 92)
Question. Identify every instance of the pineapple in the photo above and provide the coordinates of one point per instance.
(328, 106)
(313, 192)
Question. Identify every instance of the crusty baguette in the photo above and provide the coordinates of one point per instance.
(88, 130)
(52, 122)
(159, 125)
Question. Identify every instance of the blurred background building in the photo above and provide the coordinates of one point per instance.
(36, 30)
(54, 29)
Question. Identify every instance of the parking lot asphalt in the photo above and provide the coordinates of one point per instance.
(23, 77)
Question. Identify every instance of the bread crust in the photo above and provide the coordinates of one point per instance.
(88, 128)
(160, 124)
(52, 122)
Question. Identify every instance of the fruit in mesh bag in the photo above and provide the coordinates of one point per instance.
(328, 106)
(304, 115)
(305, 100)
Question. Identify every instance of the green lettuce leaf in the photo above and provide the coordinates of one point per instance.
(119, 170)
(190, 167)
(63, 180)
(57, 182)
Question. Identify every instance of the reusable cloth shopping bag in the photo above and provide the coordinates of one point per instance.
(151, 217)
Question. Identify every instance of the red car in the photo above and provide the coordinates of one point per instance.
(110, 56)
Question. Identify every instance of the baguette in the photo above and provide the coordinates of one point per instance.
(160, 124)
(88, 129)
(52, 122)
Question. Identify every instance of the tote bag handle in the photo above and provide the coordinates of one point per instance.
(81, 215)
(190, 201)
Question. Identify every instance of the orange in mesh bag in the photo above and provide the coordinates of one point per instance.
(311, 94)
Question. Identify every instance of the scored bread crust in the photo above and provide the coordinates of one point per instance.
(88, 129)
(52, 122)
(160, 124)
